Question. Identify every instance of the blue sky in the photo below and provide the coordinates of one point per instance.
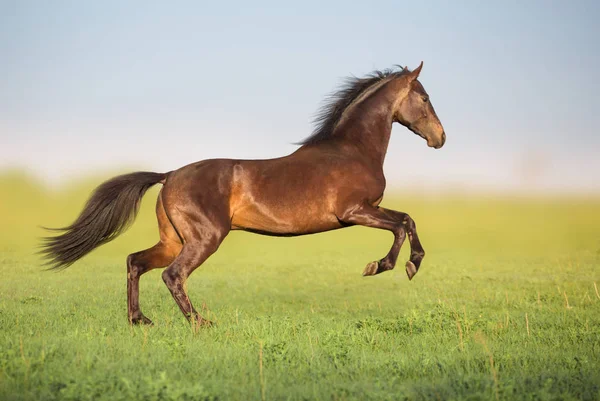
(99, 86)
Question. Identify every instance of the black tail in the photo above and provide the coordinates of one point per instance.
(109, 211)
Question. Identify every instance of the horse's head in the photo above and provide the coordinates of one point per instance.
(415, 111)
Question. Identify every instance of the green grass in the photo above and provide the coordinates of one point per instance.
(504, 307)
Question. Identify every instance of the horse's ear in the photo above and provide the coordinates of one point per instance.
(415, 73)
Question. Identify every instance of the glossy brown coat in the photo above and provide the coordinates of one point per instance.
(335, 179)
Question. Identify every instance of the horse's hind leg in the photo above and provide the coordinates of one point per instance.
(160, 255)
(137, 264)
(192, 255)
(202, 233)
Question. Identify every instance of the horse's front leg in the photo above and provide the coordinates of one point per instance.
(399, 224)
(417, 253)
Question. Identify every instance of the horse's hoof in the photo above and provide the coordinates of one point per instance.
(371, 269)
(411, 269)
(141, 320)
(200, 322)
(198, 325)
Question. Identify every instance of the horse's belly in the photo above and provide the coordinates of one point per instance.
(283, 220)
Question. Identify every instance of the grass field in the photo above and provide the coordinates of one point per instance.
(505, 307)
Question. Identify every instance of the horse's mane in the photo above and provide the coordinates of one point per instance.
(337, 102)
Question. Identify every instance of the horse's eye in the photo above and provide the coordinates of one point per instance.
(425, 99)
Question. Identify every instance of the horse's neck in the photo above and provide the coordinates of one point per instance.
(369, 126)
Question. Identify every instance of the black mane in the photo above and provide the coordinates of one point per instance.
(331, 112)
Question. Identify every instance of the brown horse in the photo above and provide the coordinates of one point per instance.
(334, 180)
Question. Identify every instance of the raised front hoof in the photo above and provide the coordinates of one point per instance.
(371, 269)
(141, 320)
(411, 269)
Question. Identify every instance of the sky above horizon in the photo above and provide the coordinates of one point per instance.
(98, 86)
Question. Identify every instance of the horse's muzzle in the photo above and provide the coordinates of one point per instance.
(441, 143)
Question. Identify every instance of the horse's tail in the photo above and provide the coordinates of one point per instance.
(108, 212)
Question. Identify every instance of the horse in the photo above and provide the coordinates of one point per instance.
(334, 179)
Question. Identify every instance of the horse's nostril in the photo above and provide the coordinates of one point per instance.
(443, 138)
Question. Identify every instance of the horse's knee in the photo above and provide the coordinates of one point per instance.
(133, 268)
(400, 233)
(171, 276)
(408, 222)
